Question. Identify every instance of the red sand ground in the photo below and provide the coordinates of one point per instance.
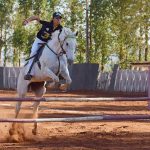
(100, 135)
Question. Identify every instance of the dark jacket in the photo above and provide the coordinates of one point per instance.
(47, 29)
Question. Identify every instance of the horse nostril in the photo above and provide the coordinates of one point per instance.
(70, 61)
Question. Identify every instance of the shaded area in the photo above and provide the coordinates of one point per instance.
(82, 93)
(88, 140)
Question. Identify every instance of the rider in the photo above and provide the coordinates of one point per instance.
(42, 36)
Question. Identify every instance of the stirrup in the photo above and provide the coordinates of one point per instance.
(28, 77)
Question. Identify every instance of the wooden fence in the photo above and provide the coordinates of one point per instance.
(118, 80)
(80, 74)
(125, 81)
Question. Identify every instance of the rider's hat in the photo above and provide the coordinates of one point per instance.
(57, 15)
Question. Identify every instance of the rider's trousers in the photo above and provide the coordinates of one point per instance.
(34, 50)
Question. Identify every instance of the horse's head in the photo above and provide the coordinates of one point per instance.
(67, 40)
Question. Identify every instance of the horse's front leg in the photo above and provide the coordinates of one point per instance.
(68, 81)
(50, 74)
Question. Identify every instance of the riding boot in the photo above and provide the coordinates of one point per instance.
(28, 76)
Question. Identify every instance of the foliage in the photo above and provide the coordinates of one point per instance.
(118, 29)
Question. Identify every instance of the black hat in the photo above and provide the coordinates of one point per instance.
(57, 14)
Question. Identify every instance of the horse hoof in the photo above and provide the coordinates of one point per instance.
(56, 79)
(34, 131)
(11, 131)
(63, 87)
(14, 138)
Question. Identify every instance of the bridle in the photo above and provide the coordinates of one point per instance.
(62, 43)
(62, 49)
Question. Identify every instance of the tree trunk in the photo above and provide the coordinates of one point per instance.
(90, 28)
(146, 42)
(5, 47)
(140, 45)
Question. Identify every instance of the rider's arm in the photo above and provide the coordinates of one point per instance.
(44, 22)
(32, 18)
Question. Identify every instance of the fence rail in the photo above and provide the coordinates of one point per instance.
(72, 99)
(78, 119)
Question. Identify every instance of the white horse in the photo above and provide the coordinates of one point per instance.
(56, 55)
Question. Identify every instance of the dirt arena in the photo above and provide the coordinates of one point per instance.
(99, 135)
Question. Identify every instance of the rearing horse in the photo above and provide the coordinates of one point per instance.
(56, 55)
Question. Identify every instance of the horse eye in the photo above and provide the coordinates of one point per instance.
(67, 44)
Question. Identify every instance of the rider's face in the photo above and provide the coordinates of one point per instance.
(56, 21)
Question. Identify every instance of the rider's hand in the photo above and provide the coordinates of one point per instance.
(25, 22)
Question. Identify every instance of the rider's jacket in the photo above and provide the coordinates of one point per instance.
(46, 30)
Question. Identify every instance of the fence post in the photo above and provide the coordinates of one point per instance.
(113, 78)
(149, 87)
(1, 78)
(149, 82)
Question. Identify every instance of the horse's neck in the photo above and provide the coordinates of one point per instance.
(54, 45)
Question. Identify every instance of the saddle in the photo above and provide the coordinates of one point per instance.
(36, 57)
(36, 60)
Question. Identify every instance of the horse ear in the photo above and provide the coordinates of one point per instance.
(76, 33)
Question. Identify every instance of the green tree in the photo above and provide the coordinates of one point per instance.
(100, 31)
(6, 9)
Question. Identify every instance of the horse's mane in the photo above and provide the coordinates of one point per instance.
(64, 32)
(67, 31)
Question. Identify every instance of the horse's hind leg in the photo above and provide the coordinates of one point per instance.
(14, 125)
(17, 109)
(38, 93)
(22, 88)
(17, 131)
(35, 115)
